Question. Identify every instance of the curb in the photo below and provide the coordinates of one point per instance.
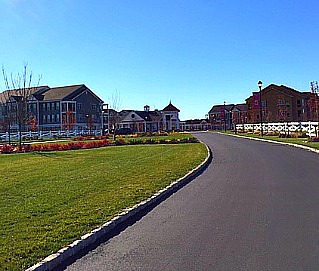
(277, 142)
(88, 240)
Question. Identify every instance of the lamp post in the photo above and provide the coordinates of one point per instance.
(107, 113)
(88, 122)
(225, 116)
(260, 109)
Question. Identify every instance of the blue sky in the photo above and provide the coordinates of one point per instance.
(195, 53)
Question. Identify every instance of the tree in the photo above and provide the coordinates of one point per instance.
(14, 100)
(89, 123)
(32, 123)
(68, 120)
(115, 117)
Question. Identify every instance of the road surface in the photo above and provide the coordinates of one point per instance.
(256, 207)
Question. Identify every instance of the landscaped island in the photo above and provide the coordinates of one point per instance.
(50, 199)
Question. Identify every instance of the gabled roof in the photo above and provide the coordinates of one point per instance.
(241, 107)
(171, 108)
(5, 95)
(220, 107)
(283, 89)
(59, 93)
(66, 93)
(149, 115)
(45, 93)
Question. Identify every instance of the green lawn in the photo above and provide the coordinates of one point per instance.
(50, 199)
(299, 141)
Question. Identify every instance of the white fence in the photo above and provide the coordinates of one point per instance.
(48, 134)
(310, 127)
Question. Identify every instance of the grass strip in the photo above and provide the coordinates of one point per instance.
(298, 141)
(50, 199)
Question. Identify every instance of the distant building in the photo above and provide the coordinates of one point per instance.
(195, 125)
(59, 108)
(280, 103)
(170, 118)
(151, 121)
(225, 116)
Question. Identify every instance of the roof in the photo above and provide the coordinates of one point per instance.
(45, 93)
(171, 107)
(4, 96)
(241, 107)
(149, 115)
(59, 93)
(284, 90)
(196, 121)
(220, 107)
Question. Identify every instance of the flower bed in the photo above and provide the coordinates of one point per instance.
(7, 149)
(313, 139)
(55, 147)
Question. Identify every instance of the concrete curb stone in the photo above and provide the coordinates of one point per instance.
(54, 260)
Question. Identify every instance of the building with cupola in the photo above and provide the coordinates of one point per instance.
(148, 120)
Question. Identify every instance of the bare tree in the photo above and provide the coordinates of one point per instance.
(6, 115)
(68, 120)
(15, 99)
(115, 117)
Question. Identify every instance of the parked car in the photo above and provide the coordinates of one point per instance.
(123, 131)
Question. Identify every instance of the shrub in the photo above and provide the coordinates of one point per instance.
(282, 135)
(313, 139)
(271, 133)
(119, 141)
(7, 149)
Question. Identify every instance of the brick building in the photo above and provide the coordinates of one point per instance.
(279, 103)
(227, 115)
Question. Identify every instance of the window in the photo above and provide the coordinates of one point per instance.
(57, 105)
(79, 106)
(53, 118)
(71, 107)
(63, 107)
(93, 106)
(44, 118)
(133, 116)
(264, 104)
(57, 117)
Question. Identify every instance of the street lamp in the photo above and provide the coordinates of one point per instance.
(260, 108)
(88, 122)
(225, 116)
(107, 113)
